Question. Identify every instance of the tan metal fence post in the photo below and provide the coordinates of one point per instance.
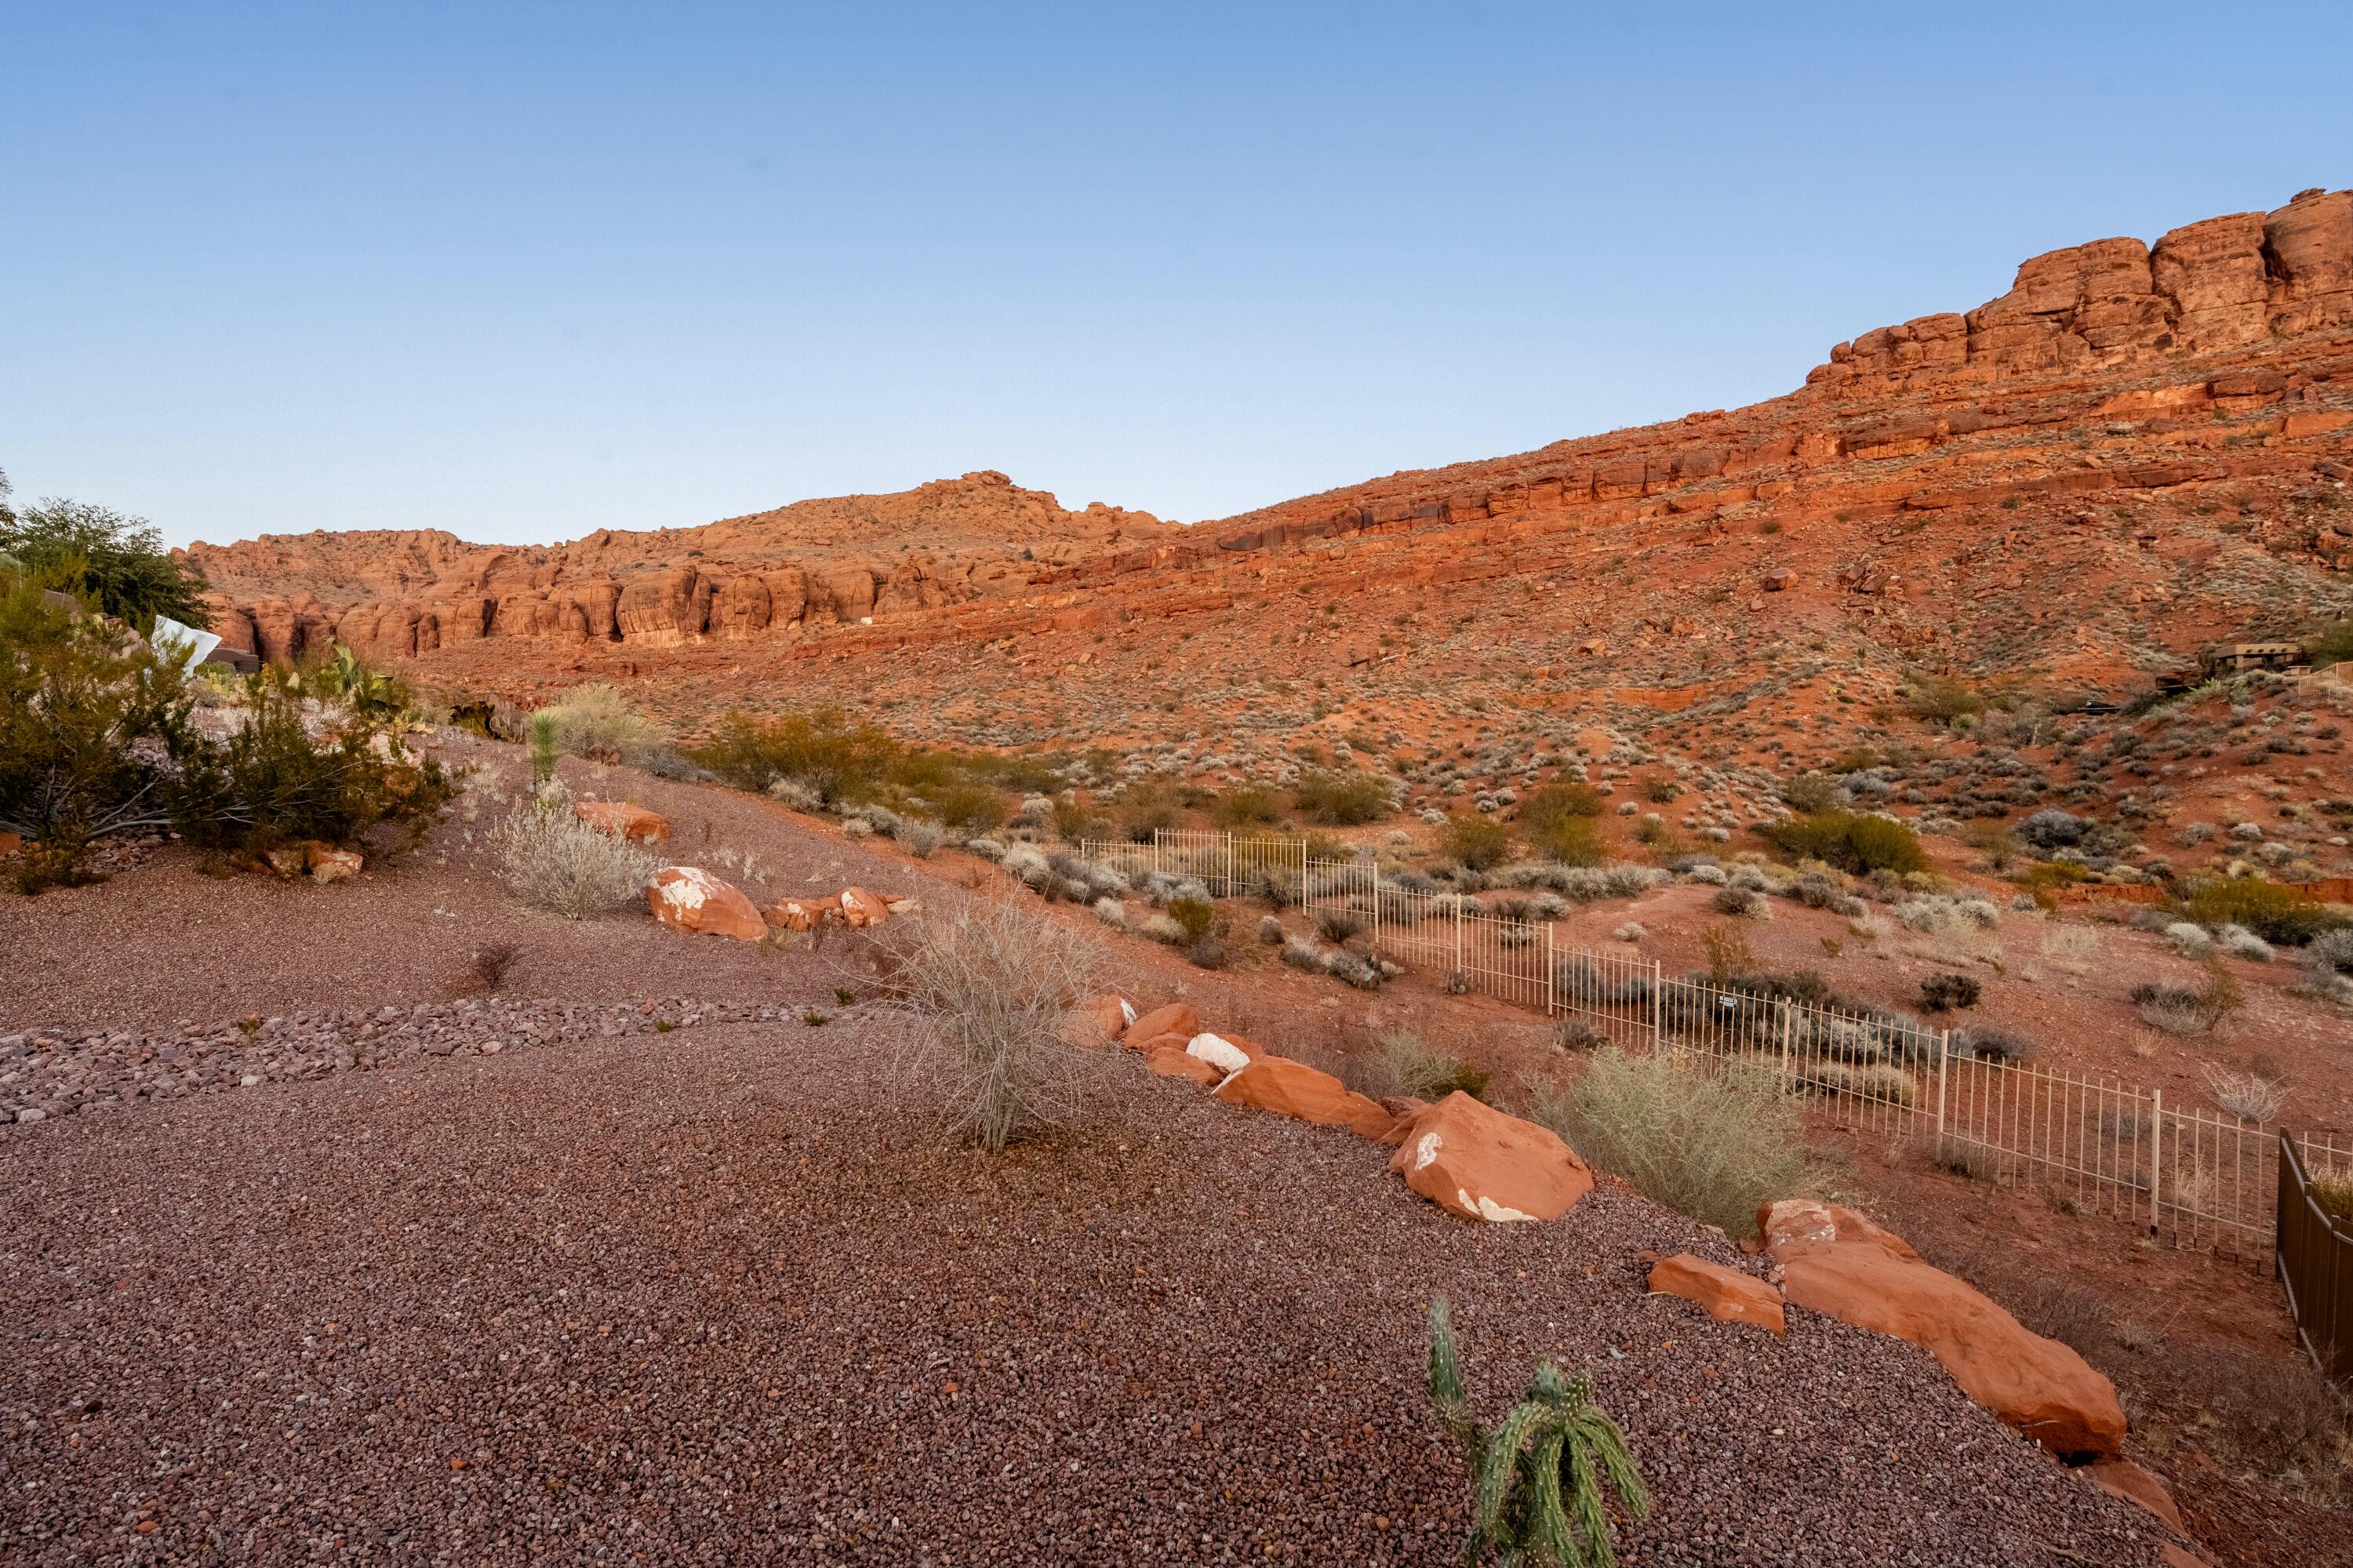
(1230, 866)
(1549, 970)
(1376, 906)
(1155, 849)
(1943, 1063)
(1458, 933)
(1789, 1040)
(2156, 1154)
(1658, 1005)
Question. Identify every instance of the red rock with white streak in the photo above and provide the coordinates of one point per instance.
(1468, 1157)
(692, 899)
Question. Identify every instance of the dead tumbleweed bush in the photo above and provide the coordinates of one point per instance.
(985, 988)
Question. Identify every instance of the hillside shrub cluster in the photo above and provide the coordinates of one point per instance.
(842, 763)
(1855, 842)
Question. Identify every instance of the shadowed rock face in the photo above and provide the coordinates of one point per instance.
(2216, 365)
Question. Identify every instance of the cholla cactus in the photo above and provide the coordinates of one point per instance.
(1537, 1479)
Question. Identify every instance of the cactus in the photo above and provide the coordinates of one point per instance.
(1537, 1479)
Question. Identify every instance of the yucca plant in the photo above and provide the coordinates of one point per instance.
(544, 726)
(1537, 1479)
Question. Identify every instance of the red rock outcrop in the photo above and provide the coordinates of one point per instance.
(1839, 1264)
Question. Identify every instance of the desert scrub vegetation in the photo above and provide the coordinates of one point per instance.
(1538, 1479)
(2274, 911)
(303, 769)
(550, 858)
(1713, 1141)
(594, 720)
(985, 988)
(1341, 798)
(1859, 842)
(1476, 843)
(843, 763)
(1400, 1062)
(97, 739)
(87, 720)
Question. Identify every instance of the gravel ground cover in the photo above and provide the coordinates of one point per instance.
(719, 1297)
(164, 944)
(50, 1073)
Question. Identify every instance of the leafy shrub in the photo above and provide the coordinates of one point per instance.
(1194, 918)
(987, 987)
(113, 564)
(1658, 789)
(1810, 792)
(2331, 952)
(2051, 829)
(2271, 910)
(1344, 798)
(2332, 645)
(1537, 1479)
(1550, 805)
(552, 859)
(1852, 841)
(1711, 1143)
(920, 837)
(2177, 1010)
(1338, 925)
(1573, 842)
(290, 775)
(1944, 992)
(1941, 699)
(1477, 842)
(85, 720)
(1247, 806)
(1740, 901)
(1144, 810)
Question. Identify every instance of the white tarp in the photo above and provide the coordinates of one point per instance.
(184, 643)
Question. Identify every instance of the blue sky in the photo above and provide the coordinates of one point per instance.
(522, 273)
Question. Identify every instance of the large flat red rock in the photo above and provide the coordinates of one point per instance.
(1295, 1090)
(2038, 1386)
(1467, 1156)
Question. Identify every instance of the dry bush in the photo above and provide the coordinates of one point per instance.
(1713, 1143)
(486, 968)
(2250, 1096)
(596, 718)
(552, 861)
(985, 990)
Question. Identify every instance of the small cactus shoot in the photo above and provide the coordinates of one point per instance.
(1537, 1479)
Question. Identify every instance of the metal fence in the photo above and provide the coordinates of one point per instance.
(2191, 1177)
(2316, 1264)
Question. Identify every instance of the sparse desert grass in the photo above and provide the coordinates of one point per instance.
(1712, 1142)
(987, 986)
(2250, 1096)
(1400, 1062)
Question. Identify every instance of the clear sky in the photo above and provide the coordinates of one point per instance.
(525, 271)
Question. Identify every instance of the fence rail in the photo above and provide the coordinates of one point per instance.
(2193, 1178)
(2316, 1264)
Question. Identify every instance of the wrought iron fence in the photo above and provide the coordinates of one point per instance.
(2191, 1177)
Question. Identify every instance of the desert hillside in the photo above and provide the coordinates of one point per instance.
(2135, 451)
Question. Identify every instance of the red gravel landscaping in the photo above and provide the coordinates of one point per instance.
(717, 1296)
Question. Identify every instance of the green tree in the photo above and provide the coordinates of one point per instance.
(77, 701)
(115, 564)
(1537, 1479)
